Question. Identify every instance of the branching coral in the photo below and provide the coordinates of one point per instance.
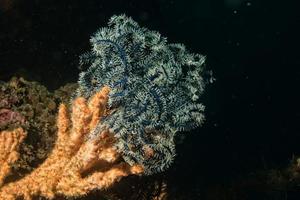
(76, 165)
(31, 106)
(9, 144)
(136, 94)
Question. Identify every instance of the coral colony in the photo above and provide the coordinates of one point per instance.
(137, 92)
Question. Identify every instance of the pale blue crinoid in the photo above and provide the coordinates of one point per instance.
(155, 89)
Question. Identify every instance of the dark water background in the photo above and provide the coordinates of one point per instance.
(252, 47)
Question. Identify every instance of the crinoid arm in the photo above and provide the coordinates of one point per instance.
(155, 90)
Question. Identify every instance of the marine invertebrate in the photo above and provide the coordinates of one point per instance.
(136, 94)
(31, 106)
(155, 90)
(7, 116)
(9, 144)
(76, 165)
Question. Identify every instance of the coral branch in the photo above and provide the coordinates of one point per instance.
(9, 144)
(76, 165)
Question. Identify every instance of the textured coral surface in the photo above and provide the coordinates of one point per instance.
(76, 165)
(30, 105)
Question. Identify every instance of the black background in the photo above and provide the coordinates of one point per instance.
(252, 47)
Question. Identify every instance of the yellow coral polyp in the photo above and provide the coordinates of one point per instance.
(67, 170)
